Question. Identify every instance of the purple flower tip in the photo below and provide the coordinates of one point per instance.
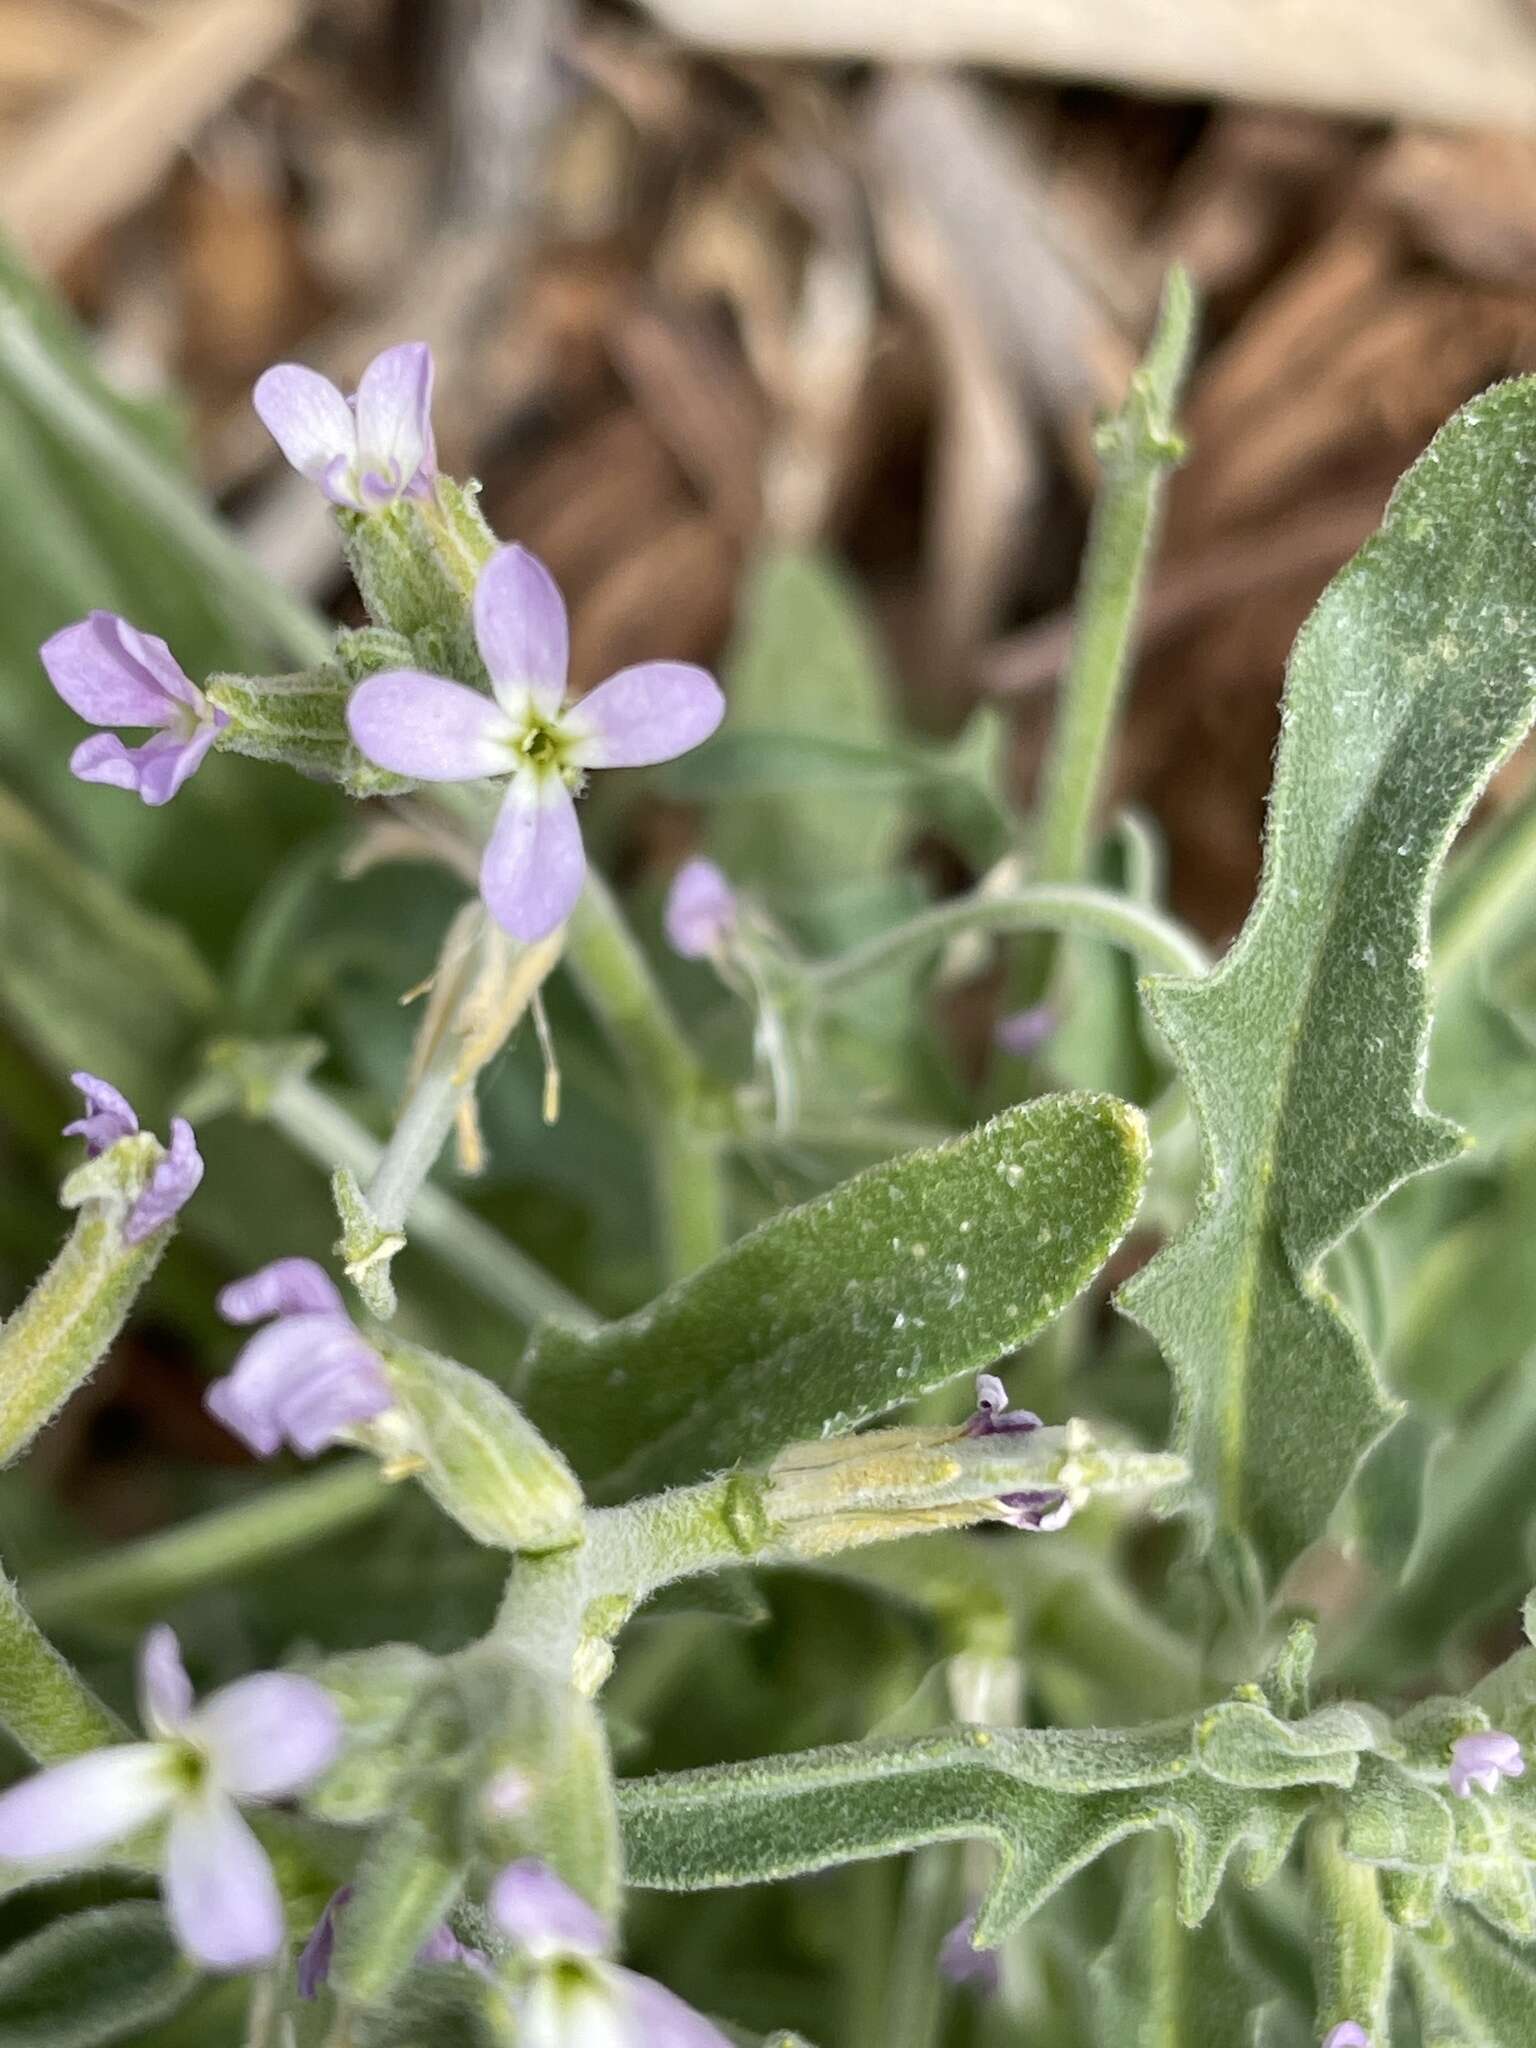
(108, 1115)
(1483, 1760)
(172, 1184)
(365, 452)
(529, 732)
(309, 1377)
(263, 1738)
(318, 1953)
(700, 912)
(993, 1416)
(963, 1963)
(1347, 2034)
(112, 674)
(543, 1916)
(1023, 1032)
(1044, 1509)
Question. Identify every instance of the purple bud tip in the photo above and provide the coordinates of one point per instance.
(171, 1186)
(1484, 1759)
(963, 1963)
(700, 912)
(1023, 1032)
(1347, 2034)
(1043, 1509)
(109, 1115)
(993, 1416)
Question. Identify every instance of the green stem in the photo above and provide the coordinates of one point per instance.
(157, 493)
(1137, 447)
(689, 1159)
(497, 1270)
(1353, 1944)
(915, 1994)
(49, 1710)
(212, 1549)
(1492, 879)
(1157, 942)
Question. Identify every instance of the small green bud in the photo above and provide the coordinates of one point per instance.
(365, 1247)
(416, 564)
(478, 1456)
(301, 719)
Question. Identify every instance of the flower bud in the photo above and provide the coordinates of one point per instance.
(416, 564)
(301, 719)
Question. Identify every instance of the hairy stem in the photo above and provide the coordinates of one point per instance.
(44, 1704)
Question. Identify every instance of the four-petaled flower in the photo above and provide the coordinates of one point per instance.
(260, 1739)
(112, 674)
(364, 452)
(1347, 2034)
(434, 730)
(109, 1115)
(1483, 1760)
(700, 912)
(572, 1994)
(309, 1377)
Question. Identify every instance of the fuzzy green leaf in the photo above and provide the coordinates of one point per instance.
(914, 1273)
(1478, 1991)
(91, 1979)
(1304, 1052)
(1049, 1800)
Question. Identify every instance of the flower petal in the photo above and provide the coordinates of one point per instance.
(307, 417)
(165, 1691)
(85, 1804)
(522, 631)
(285, 1287)
(305, 1379)
(658, 2018)
(99, 667)
(534, 865)
(430, 729)
(317, 1954)
(153, 771)
(700, 910)
(394, 415)
(652, 712)
(543, 1916)
(172, 1184)
(269, 1736)
(109, 1115)
(219, 1889)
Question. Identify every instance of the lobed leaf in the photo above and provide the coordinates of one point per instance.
(908, 1276)
(1304, 1052)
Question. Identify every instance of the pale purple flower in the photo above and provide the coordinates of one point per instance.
(1483, 1760)
(112, 674)
(1041, 1508)
(317, 1954)
(308, 1378)
(260, 1739)
(993, 1416)
(700, 912)
(573, 1995)
(1023, 1032)
(109, 1115)
(1347, 2034)
(433, 730)
(963, 1963)
(364, 452)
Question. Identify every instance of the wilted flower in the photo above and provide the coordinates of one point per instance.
(260, 1739)
(1483, 1760)
(364, 452)
(963, 1963)
(112, 674)
(434, 730)
(109, 1116)
(1347, 2034)
(573, 1996)
(993, 1416)
(1023, 1032)
(316, 1956)
(700, 911)
(308, 1377)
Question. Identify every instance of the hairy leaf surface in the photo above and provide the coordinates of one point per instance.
(1304, 1052)
(916, 1272)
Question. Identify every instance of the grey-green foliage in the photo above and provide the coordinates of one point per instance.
(1234, 1781)
(91, 1979)
(1304, 1051)
(1476, 1991)
(894, 1283)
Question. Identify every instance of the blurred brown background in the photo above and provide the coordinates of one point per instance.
(863, 274)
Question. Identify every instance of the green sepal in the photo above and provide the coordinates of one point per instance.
(477, 1454)
(300, 719)
(407, 1884)
(416, 564)
(365, 1247)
